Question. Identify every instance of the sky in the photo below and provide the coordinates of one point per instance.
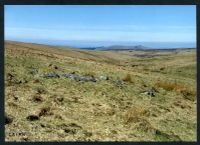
(101, 25)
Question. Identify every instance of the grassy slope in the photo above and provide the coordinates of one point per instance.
(100, 111)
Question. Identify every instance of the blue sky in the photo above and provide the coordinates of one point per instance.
(102, 25)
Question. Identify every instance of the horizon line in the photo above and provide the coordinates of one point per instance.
(65, 45)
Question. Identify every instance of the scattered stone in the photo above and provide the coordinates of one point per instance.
(51, 75)
(32, 117)
(151, 92)
(102, 77)
(87, 79)
(71, 76)
(79, 78)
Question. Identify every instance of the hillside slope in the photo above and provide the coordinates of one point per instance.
(137, 95)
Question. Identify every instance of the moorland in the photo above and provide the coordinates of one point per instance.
(56, 93)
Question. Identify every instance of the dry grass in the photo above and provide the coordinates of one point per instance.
(189, 94)
(186, 91)
(135, 114)
(90, 74)
(45, 111)
(52, 66)
(40, 90)
(128, 78)
(37, 98)
(61, 109)
(145, 126)
(169, 86)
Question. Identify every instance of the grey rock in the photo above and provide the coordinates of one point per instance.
(103, 77)
(66, 75)
(150, 93)
(92, 79)
(71, 76)
(79, 78)
(51, 75)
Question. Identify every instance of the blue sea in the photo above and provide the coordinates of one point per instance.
(90, 44)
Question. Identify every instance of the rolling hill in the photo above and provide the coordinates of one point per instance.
(69, 94)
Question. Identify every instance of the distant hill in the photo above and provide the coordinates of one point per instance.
(119, 47)
(137, 47)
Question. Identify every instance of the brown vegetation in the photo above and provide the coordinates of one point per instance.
(187, 93)
(128, 78)
(91, 74)
(135, 114)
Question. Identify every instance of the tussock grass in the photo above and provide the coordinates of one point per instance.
(128, 78)
(135, 114)
(186, 91)
(169, 86)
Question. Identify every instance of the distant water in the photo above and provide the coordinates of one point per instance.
(90, 44)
